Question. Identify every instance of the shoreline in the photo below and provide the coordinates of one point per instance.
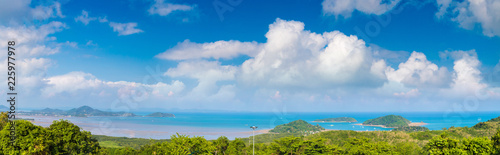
(332, 122)
(383, 126)
(118, 128)
(417, 124)
(106, 127)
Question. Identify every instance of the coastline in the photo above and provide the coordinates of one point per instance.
(163, 128)
(332, 122)
(417, 124)
(104, 126)
(383, 126)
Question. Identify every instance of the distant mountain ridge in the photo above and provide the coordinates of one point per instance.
(160, 114)
(49, 111)
(86, 111)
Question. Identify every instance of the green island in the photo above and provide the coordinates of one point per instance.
(389, 121)
(160, 114)
(298, 126)
(337, 119)
(63, 137)
(86, 111)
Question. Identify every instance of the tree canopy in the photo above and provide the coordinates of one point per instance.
(388, 121)
(298, 126)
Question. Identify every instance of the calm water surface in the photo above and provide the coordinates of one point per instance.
(213, 125)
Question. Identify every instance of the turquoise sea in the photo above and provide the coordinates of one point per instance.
(213, 125)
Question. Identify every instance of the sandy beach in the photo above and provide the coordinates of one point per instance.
(417, 124)
(382, 126)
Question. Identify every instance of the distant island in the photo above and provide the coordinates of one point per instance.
(86, 111)
(337, 119)
(390, 121)
(298, 126)
(160, 114)
(2, 107)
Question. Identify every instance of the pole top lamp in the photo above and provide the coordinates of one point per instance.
(253, 137)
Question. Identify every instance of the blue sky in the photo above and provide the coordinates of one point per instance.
(299, 55)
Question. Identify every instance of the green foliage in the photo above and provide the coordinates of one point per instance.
(339, 142)
(109, 144)
(298, 126)
(407, 148)
(477, 145)
(221, 145)
(4, 119)
(68, 138)
(236, 147)
(120, 151)
(427, 135)
(494, 120)
(287, 145)
(61, 137)
(365, 146)
(181, 144)
(388, 121)
(124, 142)
(443, 145)
(482, 125)
(30, 139)
(338, 119)
(318, 146)
(496, 142)
(296, 145)
(411, 128)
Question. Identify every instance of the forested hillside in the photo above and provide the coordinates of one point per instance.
(388, 121)
(298, 126)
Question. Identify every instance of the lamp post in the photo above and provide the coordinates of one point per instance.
(253, 137)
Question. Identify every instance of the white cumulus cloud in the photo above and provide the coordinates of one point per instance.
(85, 84)
(295, 57)
(469, 13)
(467, 77)
(45, 12)
(417, 71)
(220, 49)
(163, 9)
(84, 18)
(346, 7)
(206, 72)
(125, 28)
